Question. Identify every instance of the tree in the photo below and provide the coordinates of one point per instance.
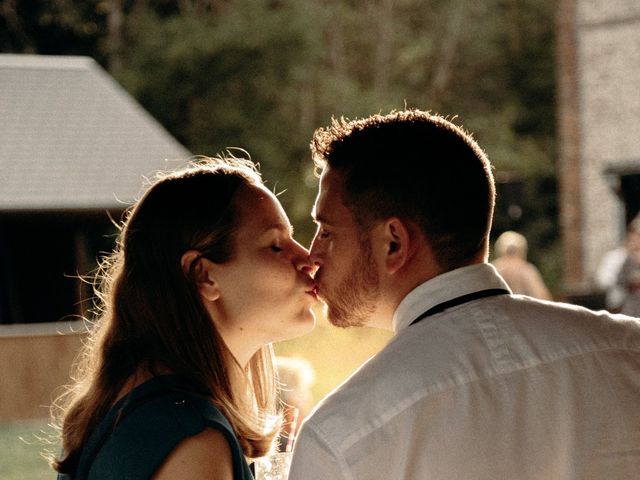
(263, 74)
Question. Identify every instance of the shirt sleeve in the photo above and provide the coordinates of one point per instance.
(314, 459)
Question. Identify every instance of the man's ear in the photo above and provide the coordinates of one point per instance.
(200, 270)
(399, 244)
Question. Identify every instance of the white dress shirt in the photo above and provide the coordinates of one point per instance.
(501, 388)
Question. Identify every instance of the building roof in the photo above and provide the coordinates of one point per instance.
(72, 138)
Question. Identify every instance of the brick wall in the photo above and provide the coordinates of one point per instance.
(35, 361)
(609, 90)
(598, 105)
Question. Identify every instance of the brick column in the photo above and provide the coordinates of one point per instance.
(568, 131)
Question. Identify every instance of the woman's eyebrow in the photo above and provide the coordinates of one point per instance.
(288, 228)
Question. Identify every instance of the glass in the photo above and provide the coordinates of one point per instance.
(273, 467)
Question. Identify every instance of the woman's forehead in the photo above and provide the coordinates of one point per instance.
(261, 210)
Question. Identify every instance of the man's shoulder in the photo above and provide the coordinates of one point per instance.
(456, 350)
(527, 309)
(343, 410)
(346, 393)
(366, 400)
(539, 330)
(416, 358)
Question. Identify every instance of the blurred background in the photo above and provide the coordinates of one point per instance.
(97, 95)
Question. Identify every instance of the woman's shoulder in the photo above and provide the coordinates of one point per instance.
(168, 413)
(141, 432)
(163, 408)
(208, 455)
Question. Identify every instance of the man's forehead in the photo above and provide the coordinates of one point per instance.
(330, 201)
(332, 183)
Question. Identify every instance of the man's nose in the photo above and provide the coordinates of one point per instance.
(305, 265)
(303, 261)
(315, 253)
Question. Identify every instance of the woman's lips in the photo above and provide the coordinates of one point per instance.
(313, 291)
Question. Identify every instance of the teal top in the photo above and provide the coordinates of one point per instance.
(141, 429)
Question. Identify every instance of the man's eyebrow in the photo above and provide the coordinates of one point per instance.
(321, 219)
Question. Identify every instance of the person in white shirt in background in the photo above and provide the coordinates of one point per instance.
(511, 262)
(629, 275)
(608, 276)
(477, 383)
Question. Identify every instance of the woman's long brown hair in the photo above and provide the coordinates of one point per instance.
(150, 314)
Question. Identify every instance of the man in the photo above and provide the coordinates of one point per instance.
(477, 383)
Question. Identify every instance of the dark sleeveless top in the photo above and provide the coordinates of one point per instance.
(141, 429)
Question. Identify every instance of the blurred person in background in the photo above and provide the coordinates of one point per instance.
(609, 276)
(511, 262)
(477, 383)
(177, 380)
(629, 276)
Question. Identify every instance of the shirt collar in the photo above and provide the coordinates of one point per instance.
(444, 287)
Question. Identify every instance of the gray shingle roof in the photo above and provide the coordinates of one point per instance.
(72, 138)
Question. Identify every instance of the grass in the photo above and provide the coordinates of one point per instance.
(334, 354)
(20, 451)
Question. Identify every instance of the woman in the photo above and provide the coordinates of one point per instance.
(177, 380)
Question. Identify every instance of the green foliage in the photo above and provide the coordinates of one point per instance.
(233, 79)
(54, 27)
(263, 74)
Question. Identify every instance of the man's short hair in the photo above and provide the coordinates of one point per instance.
(416, 166)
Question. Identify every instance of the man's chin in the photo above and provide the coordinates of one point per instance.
(340, 318)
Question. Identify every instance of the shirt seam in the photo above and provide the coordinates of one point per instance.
(342, 462)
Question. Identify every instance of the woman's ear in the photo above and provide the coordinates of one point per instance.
(399, 244)
(200, 270)
(187, 261)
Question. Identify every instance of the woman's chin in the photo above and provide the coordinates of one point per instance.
(302, 325)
